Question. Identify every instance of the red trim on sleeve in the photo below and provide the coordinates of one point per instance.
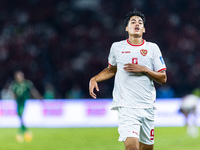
(109, 64)
(133, 44)
(162, 69)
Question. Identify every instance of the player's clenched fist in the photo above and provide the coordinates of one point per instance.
(93, 85)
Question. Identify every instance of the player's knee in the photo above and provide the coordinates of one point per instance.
(131, 147)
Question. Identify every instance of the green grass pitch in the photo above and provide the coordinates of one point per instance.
(166, 138)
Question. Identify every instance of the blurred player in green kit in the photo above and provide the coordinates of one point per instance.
(22, 90)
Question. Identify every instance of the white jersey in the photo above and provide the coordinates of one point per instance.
(135, 90)
(189, 101)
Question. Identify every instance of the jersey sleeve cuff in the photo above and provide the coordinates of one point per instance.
(111, 64)
(163, 69)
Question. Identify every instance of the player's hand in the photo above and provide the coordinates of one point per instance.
(41, 98)
(93, 85)
(134, 68)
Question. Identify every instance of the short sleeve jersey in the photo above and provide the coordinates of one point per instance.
(134, 90)
(22, 90)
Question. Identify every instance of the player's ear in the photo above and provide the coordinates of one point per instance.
(143, 30)
(126, 28)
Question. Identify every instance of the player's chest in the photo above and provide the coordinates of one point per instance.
(138, 55)
(21, 87)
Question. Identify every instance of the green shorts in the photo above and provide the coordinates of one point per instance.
(20, 108)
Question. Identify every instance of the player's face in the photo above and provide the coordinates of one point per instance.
(135, 27)
(19, 76)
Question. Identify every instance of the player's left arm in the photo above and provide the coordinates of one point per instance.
(36, 94)
(158, 76)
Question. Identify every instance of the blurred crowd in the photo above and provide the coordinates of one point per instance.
(61, 44)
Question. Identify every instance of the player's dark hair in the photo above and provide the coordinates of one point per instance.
(134, 13)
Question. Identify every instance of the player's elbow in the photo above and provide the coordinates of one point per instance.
(163, 80)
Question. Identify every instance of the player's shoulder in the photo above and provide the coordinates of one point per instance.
(153, 47)
(13, 83)
(192, 96)
(119, 43)
(151, 44)
(28, 81)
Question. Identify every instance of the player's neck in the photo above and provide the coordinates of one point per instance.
(135, 41)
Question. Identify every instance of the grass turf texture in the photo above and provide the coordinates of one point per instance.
(171, 138)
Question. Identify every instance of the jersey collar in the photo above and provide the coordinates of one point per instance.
(135, 45)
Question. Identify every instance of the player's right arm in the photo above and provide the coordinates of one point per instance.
(11, 88)
(106, 74)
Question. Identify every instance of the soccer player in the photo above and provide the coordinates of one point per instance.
(188, 108)
(135, 63)
(22, 89)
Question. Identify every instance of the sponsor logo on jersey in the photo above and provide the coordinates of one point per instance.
(126, 51)
(143, 52)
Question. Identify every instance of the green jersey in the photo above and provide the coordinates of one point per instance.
(22, 90)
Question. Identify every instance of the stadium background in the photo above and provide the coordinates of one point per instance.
(67, 42)
(61, 44)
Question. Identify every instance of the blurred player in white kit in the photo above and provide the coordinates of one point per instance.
(188, 108)
(135, 63)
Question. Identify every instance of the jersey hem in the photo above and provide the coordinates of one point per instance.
(139, 107)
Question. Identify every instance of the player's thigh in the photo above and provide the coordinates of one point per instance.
(145, 146)
(129, 123)
(147, 128)
(20, 109)
(131, 143)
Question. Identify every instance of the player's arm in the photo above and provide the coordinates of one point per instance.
(36, 94)
(106, 74)
(12, 91)
(159, 77)
(14, 95)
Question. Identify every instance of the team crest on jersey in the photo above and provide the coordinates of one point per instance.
(143, 52)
